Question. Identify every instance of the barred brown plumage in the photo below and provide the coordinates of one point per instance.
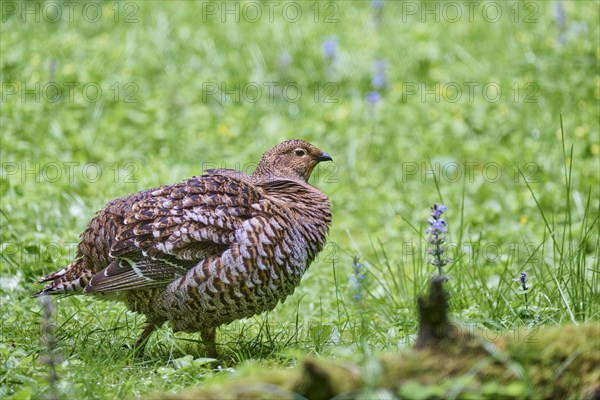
(206, 251)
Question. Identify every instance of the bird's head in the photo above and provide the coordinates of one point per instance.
(291, 159)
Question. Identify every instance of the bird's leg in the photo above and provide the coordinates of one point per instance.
(140, 344)
(208, 337)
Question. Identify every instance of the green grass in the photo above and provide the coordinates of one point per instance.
(527, 198)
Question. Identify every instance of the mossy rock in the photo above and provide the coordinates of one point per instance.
(552, 362)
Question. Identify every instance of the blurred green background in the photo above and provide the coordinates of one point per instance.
(417, 102)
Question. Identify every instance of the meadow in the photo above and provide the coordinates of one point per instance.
(491, 109)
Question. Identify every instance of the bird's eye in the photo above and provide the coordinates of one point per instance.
(299, 152)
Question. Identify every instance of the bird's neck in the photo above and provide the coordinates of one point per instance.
(266, 172)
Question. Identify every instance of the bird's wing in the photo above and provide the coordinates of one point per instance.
(167, 233)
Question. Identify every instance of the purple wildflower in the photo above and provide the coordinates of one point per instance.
(438, 210)
(560, 17)
(559, 14)
(380, 77)
(522, 279)
(377, 5)
(357, 278)
(330, 48)
(373, 97)
(437, 236)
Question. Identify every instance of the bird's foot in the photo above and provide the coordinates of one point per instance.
(209, 339)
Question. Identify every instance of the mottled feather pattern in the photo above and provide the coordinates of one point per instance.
(201, 209)
(93, 251)
(208, 250)
(264, 266)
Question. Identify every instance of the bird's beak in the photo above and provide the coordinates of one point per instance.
(324, 157)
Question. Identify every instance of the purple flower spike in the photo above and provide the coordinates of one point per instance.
(357, 278)
(373, 97)
(330, 48)
(437, 236)
(380, 78)
(522, 279)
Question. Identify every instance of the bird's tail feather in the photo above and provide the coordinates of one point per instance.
(69, 280)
